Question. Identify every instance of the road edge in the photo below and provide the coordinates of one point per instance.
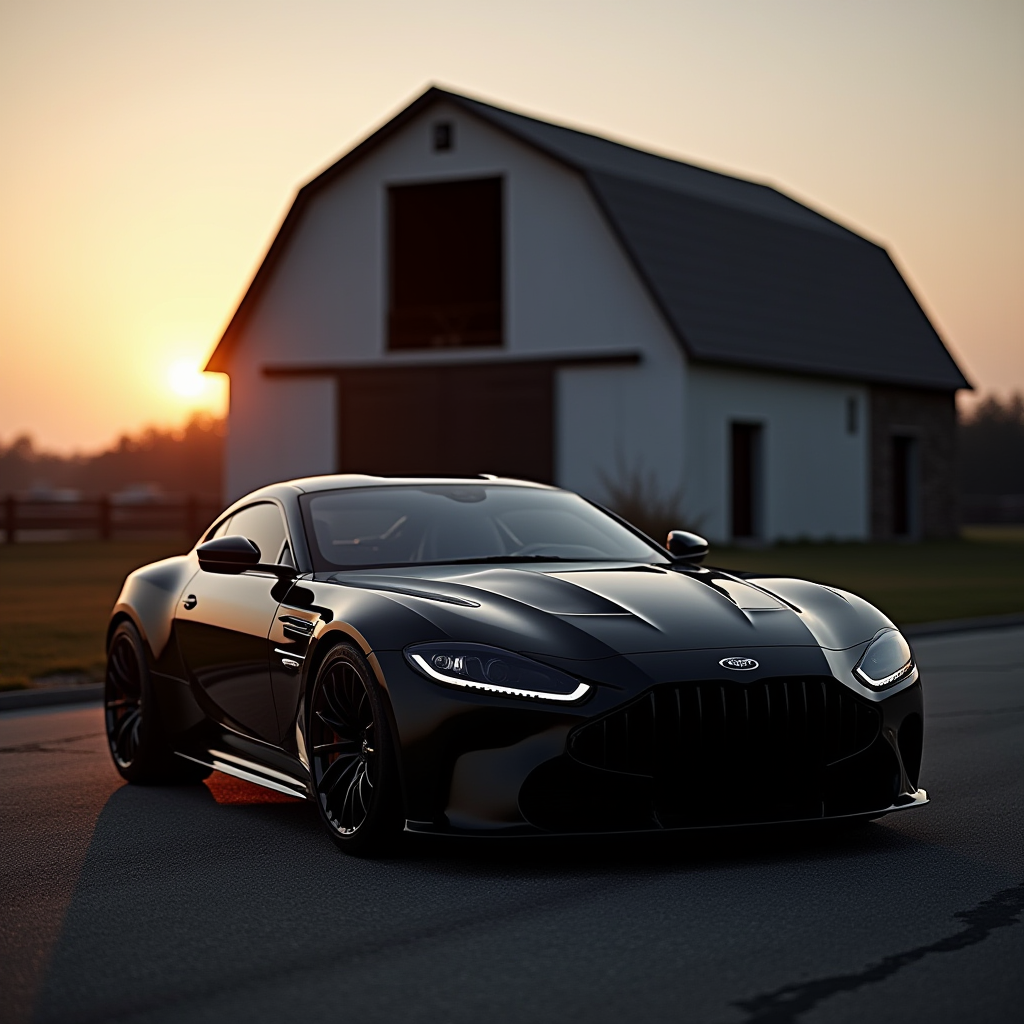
(15, 700)
(916, 629)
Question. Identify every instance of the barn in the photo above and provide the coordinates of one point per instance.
(470, 290)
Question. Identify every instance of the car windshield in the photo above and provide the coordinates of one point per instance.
(445, 523)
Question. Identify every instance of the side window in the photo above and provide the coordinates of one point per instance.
(221, 530)
(263, 525)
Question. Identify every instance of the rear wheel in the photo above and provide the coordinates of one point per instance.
(140, 751)
(352, 756)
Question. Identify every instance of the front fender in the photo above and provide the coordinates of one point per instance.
(149, 597)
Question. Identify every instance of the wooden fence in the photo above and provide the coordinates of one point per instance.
(105, 519)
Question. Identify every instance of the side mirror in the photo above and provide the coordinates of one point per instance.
(686, 547)
(228, 555)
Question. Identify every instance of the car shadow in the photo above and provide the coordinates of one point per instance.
(684, 847)
(694, 848)
(207, 896)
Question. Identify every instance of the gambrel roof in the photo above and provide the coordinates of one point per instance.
(743, 274)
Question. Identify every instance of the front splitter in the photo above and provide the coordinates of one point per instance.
(906, 803)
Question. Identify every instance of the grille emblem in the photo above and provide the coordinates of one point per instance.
(739, 664)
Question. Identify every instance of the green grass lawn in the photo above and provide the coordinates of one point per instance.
(55, 598)
(983, 574)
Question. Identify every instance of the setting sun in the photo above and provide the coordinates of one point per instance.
(194, 389)
(186, 380)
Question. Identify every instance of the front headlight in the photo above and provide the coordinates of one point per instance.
(477, 667)
(887, 661)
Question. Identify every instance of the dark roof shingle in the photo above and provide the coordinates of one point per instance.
(762, 292)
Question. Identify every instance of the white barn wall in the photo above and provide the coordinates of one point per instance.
(815, 474)
(277, 429)
(569, 289)
(615, 420)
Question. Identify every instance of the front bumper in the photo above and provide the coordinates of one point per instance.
(918, 799)
(620, 762)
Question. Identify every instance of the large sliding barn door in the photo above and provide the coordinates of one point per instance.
(448, 420)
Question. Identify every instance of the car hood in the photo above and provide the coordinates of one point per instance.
(596, 609)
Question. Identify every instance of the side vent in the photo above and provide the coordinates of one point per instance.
(296, 628)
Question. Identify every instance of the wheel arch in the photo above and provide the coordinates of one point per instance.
(123, 614)
(115, 620)
(334, 635)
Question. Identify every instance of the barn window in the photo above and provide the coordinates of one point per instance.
(446, 265)
(443, 136)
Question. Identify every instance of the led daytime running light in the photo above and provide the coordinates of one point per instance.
(471, 684)
(888, 649)
(878, 684)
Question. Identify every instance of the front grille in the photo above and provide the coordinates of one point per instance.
(721, 749)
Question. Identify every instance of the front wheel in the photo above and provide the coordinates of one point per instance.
(352, 756)
(140, 751)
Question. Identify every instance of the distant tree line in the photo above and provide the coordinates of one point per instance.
(992, 448)
(185, 461)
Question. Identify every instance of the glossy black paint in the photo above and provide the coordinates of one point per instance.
(221, 628)
(228, 554)
(684, 546)
(234, 654)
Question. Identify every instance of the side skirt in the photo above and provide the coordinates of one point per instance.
(240, 768)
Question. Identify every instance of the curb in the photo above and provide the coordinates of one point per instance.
(916, 629)
(15, 700)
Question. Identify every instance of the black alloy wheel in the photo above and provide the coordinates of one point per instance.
(352, 760)
(123, 700)
(140, 751)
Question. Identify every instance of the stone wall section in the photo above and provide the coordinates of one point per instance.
(930, 418)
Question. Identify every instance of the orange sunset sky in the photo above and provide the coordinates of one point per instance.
(151, 149)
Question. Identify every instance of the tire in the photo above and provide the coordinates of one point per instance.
(353, 768)
(140, 752)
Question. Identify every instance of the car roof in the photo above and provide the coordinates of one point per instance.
(336, 481)
(341, 481)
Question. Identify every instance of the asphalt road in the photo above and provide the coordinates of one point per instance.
(214, 903)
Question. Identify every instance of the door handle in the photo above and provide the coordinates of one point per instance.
(190, 602)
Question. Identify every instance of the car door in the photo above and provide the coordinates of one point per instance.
(223, 622)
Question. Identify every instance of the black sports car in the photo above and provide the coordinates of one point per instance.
(491, 656)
